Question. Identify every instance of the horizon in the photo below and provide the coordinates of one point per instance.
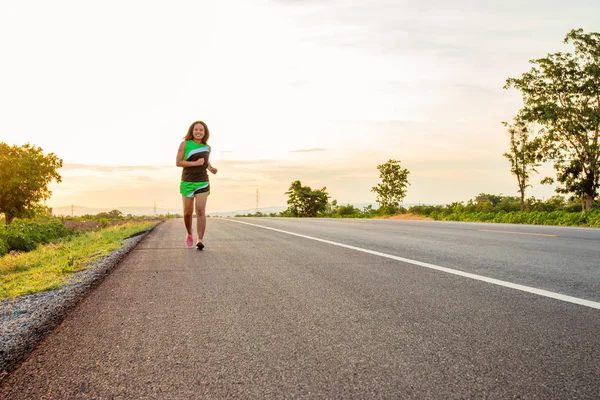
(311, 91)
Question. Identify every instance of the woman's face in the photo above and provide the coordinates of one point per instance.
(198, 132)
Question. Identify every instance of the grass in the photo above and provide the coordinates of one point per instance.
(51, 265)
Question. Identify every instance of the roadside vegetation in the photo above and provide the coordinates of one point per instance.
(27, 234)
(50, 265)
(556, 210)
(39, 251)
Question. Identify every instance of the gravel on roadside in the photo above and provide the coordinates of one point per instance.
(25, 320)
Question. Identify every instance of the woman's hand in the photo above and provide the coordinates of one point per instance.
(212, 169)
(199, 162)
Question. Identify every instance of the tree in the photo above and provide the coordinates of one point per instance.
(523, 155)
(304, 201)
(392, 190)
(25, 172)
(562, 93)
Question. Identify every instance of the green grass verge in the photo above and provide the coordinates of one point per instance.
(556, 218)
(51, 265)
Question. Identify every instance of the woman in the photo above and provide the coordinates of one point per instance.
(193, 156)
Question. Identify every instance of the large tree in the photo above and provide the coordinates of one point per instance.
(524, 154)
(394, 180)
(304, 201)
(25, 172)
(562, 93)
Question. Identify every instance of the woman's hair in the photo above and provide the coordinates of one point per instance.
(190, 132)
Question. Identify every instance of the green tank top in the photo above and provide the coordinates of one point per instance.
(193, 152)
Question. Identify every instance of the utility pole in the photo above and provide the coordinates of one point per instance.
(154, 207)
(72, 210)
(256, 201)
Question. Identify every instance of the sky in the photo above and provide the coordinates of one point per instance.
(317, 91)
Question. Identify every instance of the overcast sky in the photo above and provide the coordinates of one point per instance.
(320, 91)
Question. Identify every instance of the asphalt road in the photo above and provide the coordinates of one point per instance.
(349, 309)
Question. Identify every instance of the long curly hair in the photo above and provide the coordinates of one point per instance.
(190, 132)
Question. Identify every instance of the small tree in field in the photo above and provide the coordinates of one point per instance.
(392, 189)
(25, 172)
(523, 155)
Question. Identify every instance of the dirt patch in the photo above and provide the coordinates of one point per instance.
(409, 216)
(82, 225)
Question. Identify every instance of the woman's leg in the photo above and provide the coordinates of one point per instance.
(188, 213)
(201, 215)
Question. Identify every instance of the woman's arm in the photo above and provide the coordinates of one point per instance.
(211, 168)
(180, 162)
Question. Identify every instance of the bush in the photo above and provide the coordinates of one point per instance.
(388, 210)
(3, 247)
(26, 235)
(594, 218)
(429, 210)
(368, 211)
(19, 242)
(347, 211)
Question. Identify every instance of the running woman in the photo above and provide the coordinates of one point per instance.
(193, 155)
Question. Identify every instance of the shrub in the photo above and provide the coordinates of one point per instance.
(368, 211)
(26, 235)
(347, 211)
(426, 210)
(3, 247)
(19, 242)
(388, 210)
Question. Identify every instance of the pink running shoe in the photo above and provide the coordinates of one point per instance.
(189, 240)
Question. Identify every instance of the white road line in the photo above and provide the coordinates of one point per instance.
(529, 289)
